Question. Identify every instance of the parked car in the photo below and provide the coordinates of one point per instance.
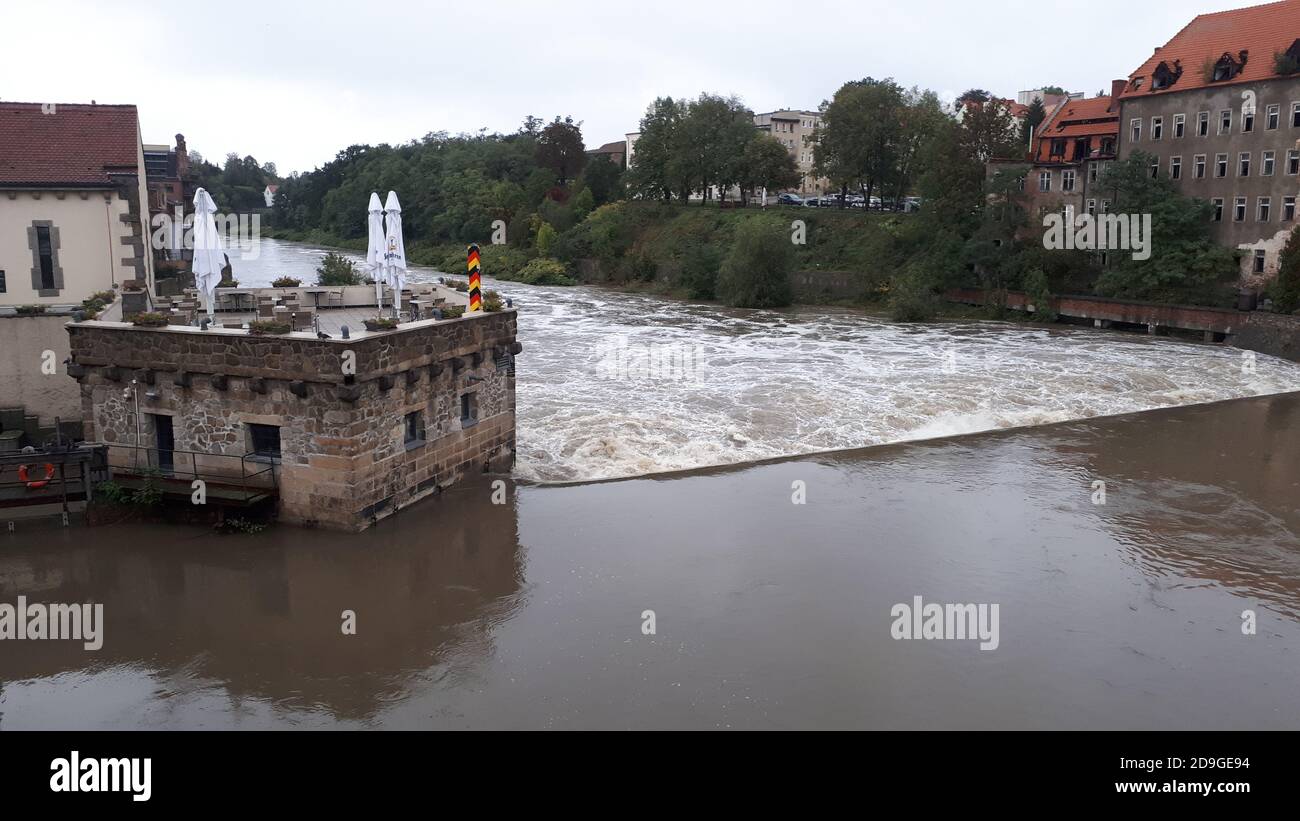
(789, 199)
(812, 202)
(911, 204)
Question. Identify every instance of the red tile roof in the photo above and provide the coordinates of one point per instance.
(1072, 119)
(79, 145)
(1259, 30)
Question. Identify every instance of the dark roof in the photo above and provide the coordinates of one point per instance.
(79, 145)
(610, 148)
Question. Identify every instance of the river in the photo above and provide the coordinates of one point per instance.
(614, 384)
(1146, 567)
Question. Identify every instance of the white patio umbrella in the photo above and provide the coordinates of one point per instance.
(375, 247)
(209, 257)
(394, 247)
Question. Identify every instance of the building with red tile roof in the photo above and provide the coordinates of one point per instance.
(73, 202)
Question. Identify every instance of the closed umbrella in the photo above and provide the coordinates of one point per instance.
(394, 247)
(375, 247)
(209, 258)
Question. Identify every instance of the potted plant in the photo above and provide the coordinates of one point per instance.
(452, 311)
(381, 323)
(30, 310)
(286, 282)
(148, 319)
(263, 327)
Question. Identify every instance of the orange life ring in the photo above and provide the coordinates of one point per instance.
(39, 483)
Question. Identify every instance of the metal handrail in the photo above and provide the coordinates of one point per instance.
(246, 481)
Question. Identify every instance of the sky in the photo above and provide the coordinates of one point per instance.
(294, 83)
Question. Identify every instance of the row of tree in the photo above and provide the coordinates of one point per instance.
(689, 146)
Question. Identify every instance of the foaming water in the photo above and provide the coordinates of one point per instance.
(752, 385)
(765, 384)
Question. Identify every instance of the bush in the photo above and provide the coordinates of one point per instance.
(1285, 290)
(643, 267)
(756, 274)
(148, 319)
(286, 282)
(492, 304)
(546, 239)
(260, 327)
(544, 271)
(30, 310)
(452, 311)
(1039, 294)
(911, 296)
(383, 323)
(699, 273)
(336, 270)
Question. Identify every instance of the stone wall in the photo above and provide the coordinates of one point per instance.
(1272, 334)
(340, 405)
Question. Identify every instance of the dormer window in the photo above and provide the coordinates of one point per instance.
(1288, 62)
(1226, 67)
(1137, 83)
(1164, 76)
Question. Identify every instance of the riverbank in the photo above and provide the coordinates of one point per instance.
(767, 613)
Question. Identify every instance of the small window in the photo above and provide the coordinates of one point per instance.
(45, 249)
(1259, 262)
(1067, 180)
(414, 429)
(1045, 181)
(1288, 209)
(1293, 161)
(1225, 121)
(1092, 206)
(1243, 164)
(2, 282)
(1157, 127)
(1155, 168)
(1199, 167)
(1264, 209)
(1239, 209)
(1135, 126)
(1105, 206)
(1247, 121)
(1295, 115)
(1175, 168)
(468, 409)
(1180, 125)
(264, 440)
(1273, 116)
(1217, 216)
(1108, 145)
(1220, 165)
(1203, 124)
(1266, 163)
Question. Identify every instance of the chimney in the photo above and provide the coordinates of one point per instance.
(182, 157)
(1116, 88)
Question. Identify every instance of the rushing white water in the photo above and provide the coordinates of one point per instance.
(613, 384)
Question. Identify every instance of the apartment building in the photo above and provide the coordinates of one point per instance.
(1218, 109)
(1071, 150)
(797, 131)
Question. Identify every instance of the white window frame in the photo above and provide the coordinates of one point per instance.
(1180, 126)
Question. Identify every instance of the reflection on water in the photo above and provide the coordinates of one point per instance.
(769, 614)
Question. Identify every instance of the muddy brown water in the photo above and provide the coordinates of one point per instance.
(768, 614)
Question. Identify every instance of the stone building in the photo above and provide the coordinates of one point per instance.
(73, 202)
(797, 131)
(1218, 108)
(354, 429)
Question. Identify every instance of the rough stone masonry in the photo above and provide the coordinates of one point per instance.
(349, 454)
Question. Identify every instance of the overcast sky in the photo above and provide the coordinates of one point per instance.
(295, 83)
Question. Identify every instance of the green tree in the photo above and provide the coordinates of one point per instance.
(1285, 290)
(711, 137)
(652, 172)
(336, 270)
(1185, 263)
(560, 148)
(765, 163)
(756, 274)
(862, 135)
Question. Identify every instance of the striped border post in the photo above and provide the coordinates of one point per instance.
(475, 294)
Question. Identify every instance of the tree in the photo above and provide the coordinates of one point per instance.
(1034, 117)
(651, 172)
(756, 274)
(1185, 263)
(766, 163)
(1285, 290)
(973, 95)
(604, 179)
(710, 138)
(862, 135)
(560, 148)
